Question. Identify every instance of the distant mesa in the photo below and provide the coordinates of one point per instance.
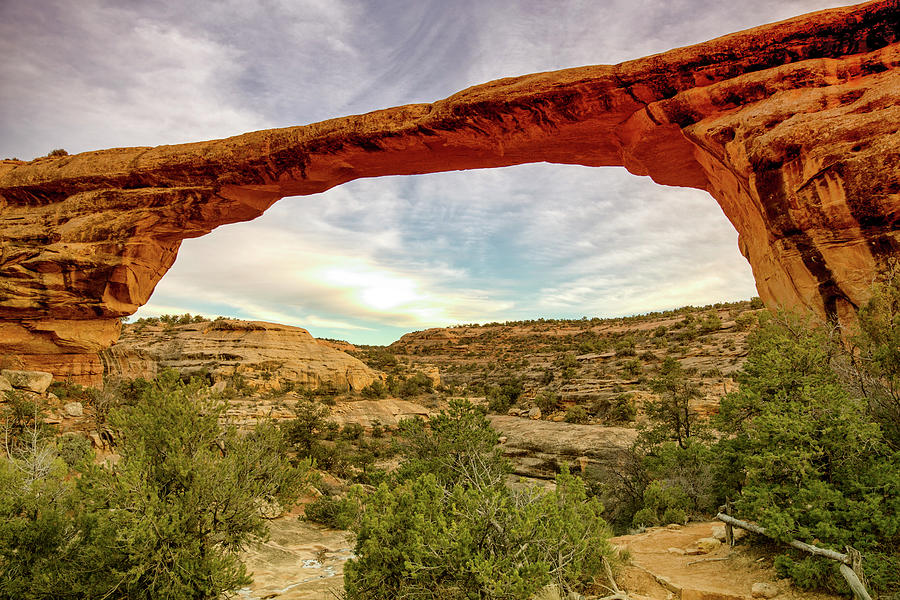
(794, 129)
(259, 355)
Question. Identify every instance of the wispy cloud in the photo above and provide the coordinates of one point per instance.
(372, 259)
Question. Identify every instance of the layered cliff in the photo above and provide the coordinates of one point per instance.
(264, 355)
(791, 127)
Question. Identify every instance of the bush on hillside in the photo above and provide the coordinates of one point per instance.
(807, 460)
(547, 402)
(446, 443)
(167, 521)
(577, 414)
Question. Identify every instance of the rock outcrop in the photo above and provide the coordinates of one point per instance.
(538, 449)
(264, 355)
(791, 127)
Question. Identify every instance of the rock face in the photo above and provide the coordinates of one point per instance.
(791, 127)
(32, 381)
(538, 448)
(265, 354)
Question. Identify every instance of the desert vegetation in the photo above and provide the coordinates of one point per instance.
(166, 519)
(806, 446)
(802, 439)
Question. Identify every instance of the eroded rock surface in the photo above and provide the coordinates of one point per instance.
(266, 355)
(300, 561)
(539, 448)
(791, 127)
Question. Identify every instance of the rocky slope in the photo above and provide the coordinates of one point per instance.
(593, 363)
(791, 127)
(254, 353)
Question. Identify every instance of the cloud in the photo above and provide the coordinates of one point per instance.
(92, 75)
(386, 256)
(374, 258)
(316, 272)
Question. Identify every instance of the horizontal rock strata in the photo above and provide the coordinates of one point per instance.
(262, 355)
(793, 128)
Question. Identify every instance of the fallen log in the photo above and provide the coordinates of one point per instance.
(844, 558)
(854, 580)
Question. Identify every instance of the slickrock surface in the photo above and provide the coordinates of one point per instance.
(301, 561)
(793, 128)
(265, 354)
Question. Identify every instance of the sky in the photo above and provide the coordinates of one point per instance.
(375, 258)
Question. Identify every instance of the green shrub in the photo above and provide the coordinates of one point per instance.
(566, 360)
(745, 321)
(329, 430)
(502, 397)
(674, 515)
(445, 444)
(577, 414)
(807, 460)
(475, 540)
(167, 521)
(631, 368)
(337, 512)
(22, 422)
(65, 391)
(547, 402)
(352, 431)
(381, 359)
(626, 347)
(376, 389)
(416, 385)
(877, 353)
(623, 408)
(309, 424)
(74, 449)
(645, 518)
(671, 414)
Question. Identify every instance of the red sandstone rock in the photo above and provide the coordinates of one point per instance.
(791, 127)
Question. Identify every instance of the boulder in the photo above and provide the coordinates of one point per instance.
(764, 589)
(74, 409)
(33, 381)
(718, 532)
(704, 546)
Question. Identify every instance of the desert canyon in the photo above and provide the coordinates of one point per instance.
(791, 127)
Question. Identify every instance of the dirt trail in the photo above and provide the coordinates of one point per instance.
(660, 568)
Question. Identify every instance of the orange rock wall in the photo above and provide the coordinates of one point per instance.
(791, 127)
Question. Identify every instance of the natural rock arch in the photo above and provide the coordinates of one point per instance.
(791, 127)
